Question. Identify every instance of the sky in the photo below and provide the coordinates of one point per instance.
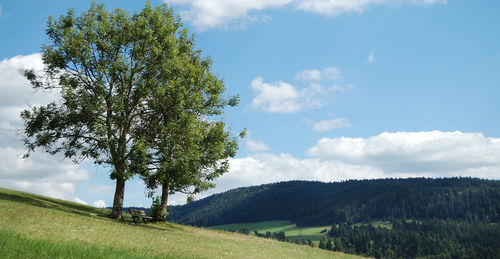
(330, 90)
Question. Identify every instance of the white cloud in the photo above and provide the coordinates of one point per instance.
(371, 57)
(327, 125)
(0, 11)
(282, 97)
(207, 14)
(434, 153)
(78, 200)
(40, 173)
(308, 75)
(256, 146)
(99, 204)
(276, 97)
(341, 89)
(330, 73)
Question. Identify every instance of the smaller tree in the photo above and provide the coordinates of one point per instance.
(322, 244)
(329, 245)
(310, 243)
(156, 212)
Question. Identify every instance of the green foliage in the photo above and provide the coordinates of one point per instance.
(429, 238)
(156, 211)
(135, 95)
(329, 245)
(322, 244)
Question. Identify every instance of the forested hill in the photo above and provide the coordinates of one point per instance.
(317, 203)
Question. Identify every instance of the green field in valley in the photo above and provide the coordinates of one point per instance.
(291, 230)
(34, 226)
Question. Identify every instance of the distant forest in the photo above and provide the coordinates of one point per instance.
(319, 204)
(438, 218)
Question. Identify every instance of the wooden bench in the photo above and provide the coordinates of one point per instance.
(139, 214)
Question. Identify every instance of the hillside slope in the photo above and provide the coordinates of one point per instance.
(319, 204)
(33, 226)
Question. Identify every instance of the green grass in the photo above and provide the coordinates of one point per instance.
(33, 226)
(291, 230)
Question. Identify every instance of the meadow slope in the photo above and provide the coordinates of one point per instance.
(34, 226)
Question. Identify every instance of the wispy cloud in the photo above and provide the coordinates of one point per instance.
(328, 73)
(371, 57)
(283, 97)
(327, 125)
(256, 146)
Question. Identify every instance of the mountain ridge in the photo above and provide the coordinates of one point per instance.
(310, 203)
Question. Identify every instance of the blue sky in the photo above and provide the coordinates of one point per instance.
(330, 90)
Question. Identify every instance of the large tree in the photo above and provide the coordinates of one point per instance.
(113, 71)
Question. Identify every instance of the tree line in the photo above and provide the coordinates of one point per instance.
(320, 204)
(433, 238)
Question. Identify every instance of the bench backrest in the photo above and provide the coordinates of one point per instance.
(137, 212)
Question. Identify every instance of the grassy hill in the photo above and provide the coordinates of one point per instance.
(34, 226)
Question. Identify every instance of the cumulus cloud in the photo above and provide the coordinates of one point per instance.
(207, 14)
(99, 204)
(256, 146)
(276, 97)
(400, 154)
(330, 73)
(78, 200)
(40, 173)
(327, 125)
(434, 153)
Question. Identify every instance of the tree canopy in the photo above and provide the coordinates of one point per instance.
(135, 93)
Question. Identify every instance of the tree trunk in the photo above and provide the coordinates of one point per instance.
(164, 199)
(116, 213)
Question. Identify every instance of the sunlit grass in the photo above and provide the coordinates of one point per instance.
(33, 226)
